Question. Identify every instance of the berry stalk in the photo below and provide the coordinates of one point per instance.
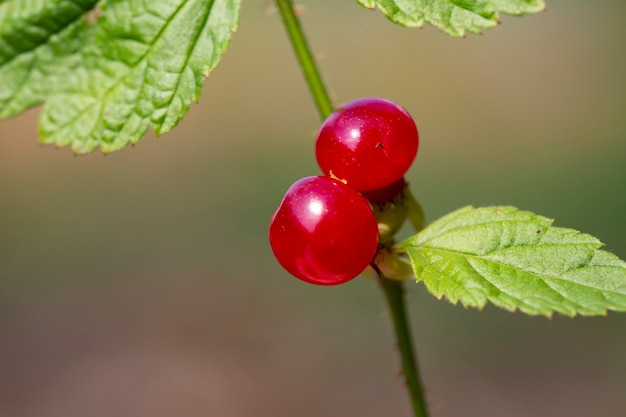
(393, 290)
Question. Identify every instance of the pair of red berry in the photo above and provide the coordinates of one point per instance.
(324, 231)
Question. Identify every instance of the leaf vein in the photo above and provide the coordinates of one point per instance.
(535, 274)
(49, 35)
(205, 18)
(122, 79)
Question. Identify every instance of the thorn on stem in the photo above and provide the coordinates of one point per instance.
(299, 10)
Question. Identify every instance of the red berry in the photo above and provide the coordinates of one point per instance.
(323, 232)
(385, 194)
(369, 143)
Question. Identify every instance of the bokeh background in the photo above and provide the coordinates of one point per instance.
(142, 283)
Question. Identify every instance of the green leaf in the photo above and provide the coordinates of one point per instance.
(516, 260)
(454, 17)
(109, 70)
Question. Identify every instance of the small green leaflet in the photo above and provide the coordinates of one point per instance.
(454, 17)
(108, 70)
(516, 260)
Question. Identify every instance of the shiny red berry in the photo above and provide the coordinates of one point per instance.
(323, 232)
(369, 143)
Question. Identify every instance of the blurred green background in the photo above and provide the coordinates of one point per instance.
(142, 283)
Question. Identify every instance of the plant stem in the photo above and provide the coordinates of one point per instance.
(394, 294)
(305, 57)
(393, 290)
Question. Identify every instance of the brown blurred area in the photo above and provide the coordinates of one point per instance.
(142, 284)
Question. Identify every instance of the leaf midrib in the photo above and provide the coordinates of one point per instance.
(49, 35)
(538, 275)
(123, 78)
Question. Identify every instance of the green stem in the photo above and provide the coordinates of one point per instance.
(305, 57)
(393, 290)
(394, 294)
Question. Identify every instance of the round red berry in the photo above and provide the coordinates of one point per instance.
(323, 232)
(369, 143)
(385, 194)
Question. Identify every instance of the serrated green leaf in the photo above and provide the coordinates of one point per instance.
(516, 260)
(108, 74)
(454, 17)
